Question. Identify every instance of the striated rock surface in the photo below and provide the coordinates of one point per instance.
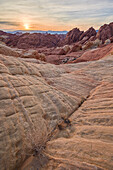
(95, 54)
(73, 103)
(29, 107)
(86, 141)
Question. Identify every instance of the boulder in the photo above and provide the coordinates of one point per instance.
(97, 43)
(88, 45)
(64, 50)
(92, 44)
(108, 41)
(76, 47)
(42, 57)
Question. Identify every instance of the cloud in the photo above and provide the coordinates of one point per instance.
(56, 12)
(9, 23)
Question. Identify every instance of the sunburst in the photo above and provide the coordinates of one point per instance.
(26, 26)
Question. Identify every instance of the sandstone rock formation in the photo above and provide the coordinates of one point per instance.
(26, 101)
(76, 35)
(89, 33)
(92, 50)
(76, 47)
(55, 59)
(63, 115)
(88, 45)
(105, 32)
(73, 101)
(73, 36)
(64, 50)
(92, 44)
(8, 51)
(4, 33)
(21, 53)
(33, 54)
(91, 142)
(27, 41)
(95, 54)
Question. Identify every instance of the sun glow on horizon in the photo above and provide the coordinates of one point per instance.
(26, 26)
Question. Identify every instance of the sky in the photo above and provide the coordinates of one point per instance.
(57, 15)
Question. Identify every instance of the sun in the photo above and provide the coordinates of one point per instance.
(26, 26)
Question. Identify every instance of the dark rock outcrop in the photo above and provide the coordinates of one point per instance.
(76, 35)
(105, 32)
(89, 33)
(35, 40)
(4, 33)
(111, 39)
(73, 36)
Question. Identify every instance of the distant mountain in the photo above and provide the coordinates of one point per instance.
(36, 31)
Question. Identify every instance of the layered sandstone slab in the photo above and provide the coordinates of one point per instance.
(29, 105)
(95, 54)
(36, 98)
(8, 51)
(90, 144)
(92, 140)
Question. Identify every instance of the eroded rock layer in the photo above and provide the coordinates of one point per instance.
(35, 98)
(90, 145)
